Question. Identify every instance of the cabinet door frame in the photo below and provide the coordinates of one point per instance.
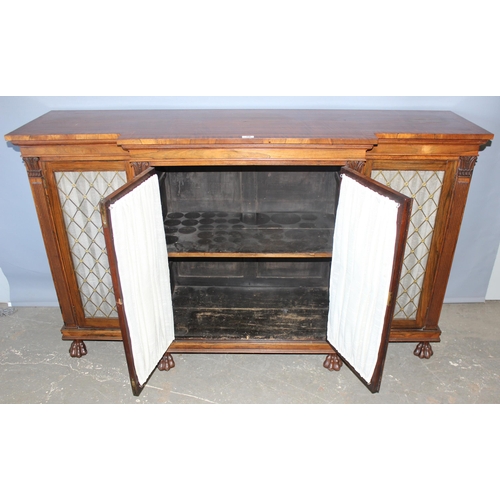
(426, 299)
(402, 224)
(140, 363)
(63, 245)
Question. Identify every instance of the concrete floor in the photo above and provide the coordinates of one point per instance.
(36, 368)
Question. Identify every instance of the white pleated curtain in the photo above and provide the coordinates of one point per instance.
(142, 260)
(362, 263)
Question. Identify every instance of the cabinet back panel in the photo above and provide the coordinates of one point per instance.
(251, 190)
(240, 189)
(249, 272)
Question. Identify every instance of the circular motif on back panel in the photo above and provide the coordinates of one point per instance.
(205, 234)
(175, 215)
(172, 222)
(189, 222)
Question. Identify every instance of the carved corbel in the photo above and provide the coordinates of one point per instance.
(139, 166)
(466, 167)
(32, 166)
(357, 165)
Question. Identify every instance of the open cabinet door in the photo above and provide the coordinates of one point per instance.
(368, 249)
(138, 259)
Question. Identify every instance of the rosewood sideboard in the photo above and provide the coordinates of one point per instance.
(248, 206)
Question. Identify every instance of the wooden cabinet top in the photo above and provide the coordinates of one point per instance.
(247, 126)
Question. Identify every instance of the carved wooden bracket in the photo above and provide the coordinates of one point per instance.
(466, 166)
(139, 166)
(32, 167)
(357, 165)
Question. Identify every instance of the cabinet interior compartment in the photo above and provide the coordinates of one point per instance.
(250, 250)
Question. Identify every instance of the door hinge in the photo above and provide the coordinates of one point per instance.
(389, 298)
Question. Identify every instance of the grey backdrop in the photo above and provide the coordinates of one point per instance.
(22, 254)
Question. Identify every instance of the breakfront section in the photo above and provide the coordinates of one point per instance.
(67, 193)
(436, 176)
(257, 231)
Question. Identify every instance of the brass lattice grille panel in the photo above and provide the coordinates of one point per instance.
(80, 194)
(425, 189)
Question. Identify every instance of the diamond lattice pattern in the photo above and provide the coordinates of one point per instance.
(425, 189)
(80, 194)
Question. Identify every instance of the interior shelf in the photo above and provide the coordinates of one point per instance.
(272, 234)
(252, 313)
